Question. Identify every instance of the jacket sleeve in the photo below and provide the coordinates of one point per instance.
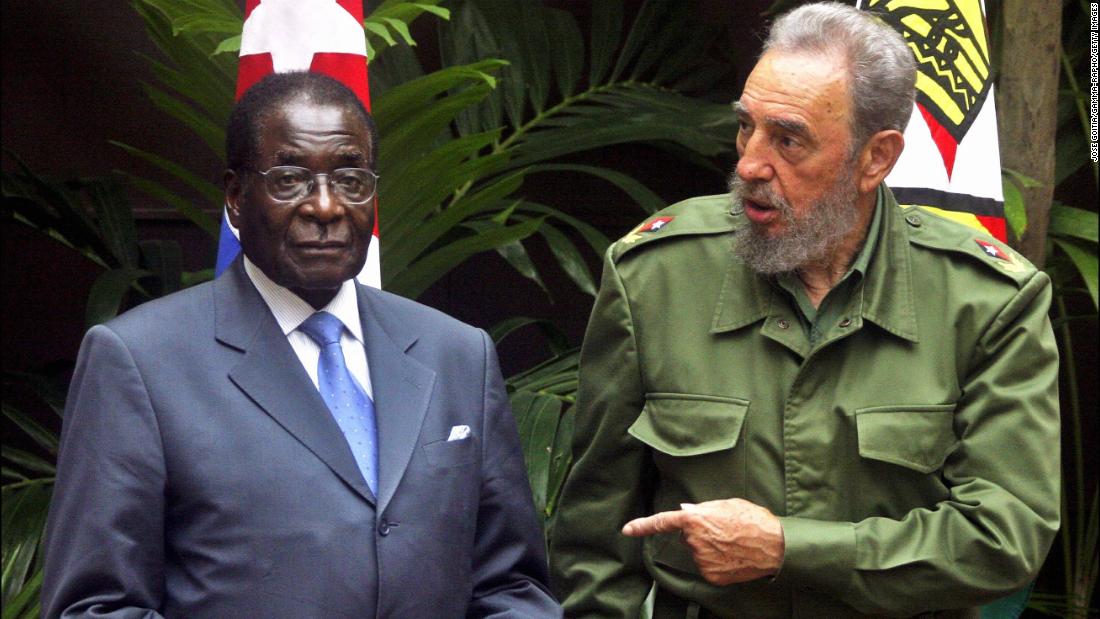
(509, 560)
(991, 534)
(597, 571)
(104, 550)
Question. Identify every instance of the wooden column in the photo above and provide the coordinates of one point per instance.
(1027, 107)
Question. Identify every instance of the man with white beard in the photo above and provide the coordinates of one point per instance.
(800, 399)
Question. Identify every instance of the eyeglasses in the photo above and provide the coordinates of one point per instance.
(287, 183)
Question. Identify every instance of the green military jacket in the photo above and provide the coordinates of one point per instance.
(911, 451)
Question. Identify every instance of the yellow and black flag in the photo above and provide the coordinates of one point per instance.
(951, 162)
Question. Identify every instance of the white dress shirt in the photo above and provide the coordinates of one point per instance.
(290, 311)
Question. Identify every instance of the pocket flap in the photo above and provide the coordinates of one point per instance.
(916, 437)
(681, 424)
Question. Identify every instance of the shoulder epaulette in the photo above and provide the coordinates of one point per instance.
(694, 216)
(927, 229)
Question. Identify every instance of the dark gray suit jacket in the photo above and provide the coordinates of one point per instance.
(201, 474)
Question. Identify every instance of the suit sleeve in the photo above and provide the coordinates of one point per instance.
(989, 538)
(104, 550)
(509, 563)
(597, 571)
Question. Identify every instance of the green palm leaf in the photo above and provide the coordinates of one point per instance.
(437, 263)
(549, 113)
(25, 505)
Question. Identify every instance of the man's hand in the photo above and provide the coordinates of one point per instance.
(731, 540)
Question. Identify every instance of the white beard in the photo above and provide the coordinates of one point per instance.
(810, 240)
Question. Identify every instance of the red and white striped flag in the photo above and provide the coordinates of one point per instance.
(951, 163)
(325, 36)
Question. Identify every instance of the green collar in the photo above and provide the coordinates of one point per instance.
(794, 287)
(863, 258)
(746, 297)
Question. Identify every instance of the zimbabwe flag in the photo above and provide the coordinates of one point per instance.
(951, 163)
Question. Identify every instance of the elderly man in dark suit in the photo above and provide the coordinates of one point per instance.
(283, 442)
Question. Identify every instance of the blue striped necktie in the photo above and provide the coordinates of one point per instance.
(347, 401)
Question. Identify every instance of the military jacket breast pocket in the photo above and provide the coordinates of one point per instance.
(917, 437)
(681, 424)
(693, 441)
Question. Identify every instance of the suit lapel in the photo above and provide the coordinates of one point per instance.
(402, 389)
(271, 375)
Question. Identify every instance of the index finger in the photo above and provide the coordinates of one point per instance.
(661, 522)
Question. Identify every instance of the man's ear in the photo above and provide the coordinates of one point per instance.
(877, 158)
(233, 189)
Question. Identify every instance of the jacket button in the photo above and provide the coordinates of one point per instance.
(913, 219)
(384, 529)
(782, 323)
(846, 322)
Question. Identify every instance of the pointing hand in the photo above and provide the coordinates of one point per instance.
(731, 540)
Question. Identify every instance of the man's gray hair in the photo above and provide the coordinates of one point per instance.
(882, 71)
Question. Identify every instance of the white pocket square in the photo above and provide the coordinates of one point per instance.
(458, 433)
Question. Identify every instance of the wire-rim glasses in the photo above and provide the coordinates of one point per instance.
(289, 183)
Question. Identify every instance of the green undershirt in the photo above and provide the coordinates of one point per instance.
(836, 301)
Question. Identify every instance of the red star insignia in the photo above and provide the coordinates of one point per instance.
(656, 224)
(991, 250)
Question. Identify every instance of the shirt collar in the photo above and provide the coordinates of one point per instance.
(863, 258)
(794, 286)
(888, 289)
(290, 310)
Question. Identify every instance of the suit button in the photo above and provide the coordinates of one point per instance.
(782, 324)
(384, 529)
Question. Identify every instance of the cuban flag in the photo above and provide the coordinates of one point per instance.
(298, 35)
(951, 163)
